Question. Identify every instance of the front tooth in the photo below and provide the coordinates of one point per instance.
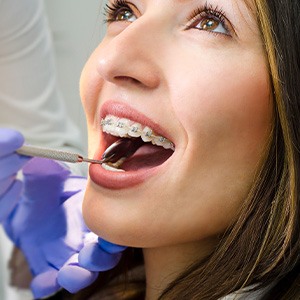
(146, 134)
(109, 124)
(135, 130)
(110, 168)
(122, 126)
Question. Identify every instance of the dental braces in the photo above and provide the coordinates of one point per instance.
(127, 128)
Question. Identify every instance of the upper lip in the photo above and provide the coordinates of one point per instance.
(122, 110)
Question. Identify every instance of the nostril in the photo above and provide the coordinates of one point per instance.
(128, 79)
(116, 69)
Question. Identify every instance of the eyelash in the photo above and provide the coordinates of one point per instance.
(111, 10)
(206, 11)
(210, 12)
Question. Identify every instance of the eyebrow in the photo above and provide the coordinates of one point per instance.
(249, 4)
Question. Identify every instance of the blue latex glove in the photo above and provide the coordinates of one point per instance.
(71, 275)
(10, 164)
(45, 222)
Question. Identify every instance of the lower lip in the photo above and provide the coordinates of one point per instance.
(119, 180)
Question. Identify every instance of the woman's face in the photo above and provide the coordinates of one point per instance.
(190, 76)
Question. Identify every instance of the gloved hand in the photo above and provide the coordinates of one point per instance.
(46, 224)
(10, 164)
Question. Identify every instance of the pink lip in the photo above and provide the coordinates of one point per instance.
(122, 110)
(122, 180)
(119, 180)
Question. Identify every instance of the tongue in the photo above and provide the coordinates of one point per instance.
(146, 157)
(139, 155)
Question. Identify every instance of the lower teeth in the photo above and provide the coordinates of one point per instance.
(111, 168)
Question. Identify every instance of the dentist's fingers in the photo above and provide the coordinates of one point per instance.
(43, 185)
(45, 284)
(10, 140)
(73, 278)
(10, 199)
(11, 164)
(5, 184)
(92, 257)
(110, 247)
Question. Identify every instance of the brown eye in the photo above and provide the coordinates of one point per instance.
(209, 24)
(211, 20)
(125, 15)
(120, 10)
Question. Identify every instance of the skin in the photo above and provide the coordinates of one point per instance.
(211, 93)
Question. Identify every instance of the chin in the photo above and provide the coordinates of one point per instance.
(109, 219)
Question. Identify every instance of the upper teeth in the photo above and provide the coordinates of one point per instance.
(123, 127)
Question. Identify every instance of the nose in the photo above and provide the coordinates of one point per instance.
(130, 57)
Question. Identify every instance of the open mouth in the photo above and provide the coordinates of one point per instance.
(130, 146)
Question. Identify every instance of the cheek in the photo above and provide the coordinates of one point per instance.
(229, 106)
(90, 87)
(228, 119)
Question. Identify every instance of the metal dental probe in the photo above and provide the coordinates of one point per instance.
(65, 156)
(113, 153)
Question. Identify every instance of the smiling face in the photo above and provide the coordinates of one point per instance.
(190, 77)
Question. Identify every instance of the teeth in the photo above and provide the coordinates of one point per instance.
(135, 130)
(111, 168)
(147, 134)
(122, 127)
(108, 125)
(159, 141)
(127, 128)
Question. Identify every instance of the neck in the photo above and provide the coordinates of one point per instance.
(163, 265)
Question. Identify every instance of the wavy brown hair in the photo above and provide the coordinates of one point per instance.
(262, 248)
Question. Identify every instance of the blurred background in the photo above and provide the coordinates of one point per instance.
(77, 28)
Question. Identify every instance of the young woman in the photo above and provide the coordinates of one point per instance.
(207, 92)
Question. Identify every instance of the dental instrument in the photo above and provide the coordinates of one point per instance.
(65, 156)
(110, 155)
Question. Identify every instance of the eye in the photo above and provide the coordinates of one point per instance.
(209, 19)
(119, 10)
(211, 24)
